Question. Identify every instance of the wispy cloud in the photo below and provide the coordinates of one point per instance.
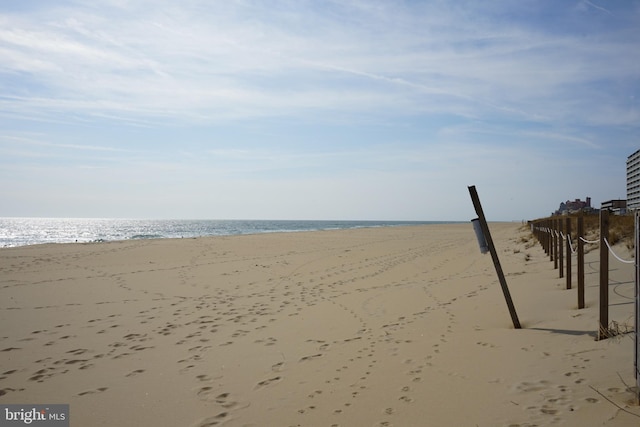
(241, 59)
(38, 141)
(587, 2)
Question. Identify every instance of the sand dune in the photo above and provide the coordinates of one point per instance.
(400, 326)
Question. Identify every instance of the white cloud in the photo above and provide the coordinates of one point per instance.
(197, 61)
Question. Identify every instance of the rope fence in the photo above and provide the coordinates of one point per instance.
(592, 242)
(554, 234)
(632, 261)
(564, 237)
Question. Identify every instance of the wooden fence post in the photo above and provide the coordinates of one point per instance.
(554, 244)
(604, 275)
(494, 255)
(550, 237)
(560, 250)
(580, 261)
(636, 362)
(567, 229)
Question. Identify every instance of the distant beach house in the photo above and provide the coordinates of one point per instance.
(633, 181)
(618, 207)
(573, 206)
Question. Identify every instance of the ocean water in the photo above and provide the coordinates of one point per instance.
(32, 231)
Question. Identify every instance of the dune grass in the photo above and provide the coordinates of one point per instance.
(621, 228)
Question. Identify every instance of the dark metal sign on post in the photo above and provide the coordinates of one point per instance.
(494, 255)
(482, 241)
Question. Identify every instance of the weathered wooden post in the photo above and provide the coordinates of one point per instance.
(580, 261)
(494, 255)
(604, 275)
(560, 250)
(567, 229)
(554, 228)
(550, 241)
(636, 362)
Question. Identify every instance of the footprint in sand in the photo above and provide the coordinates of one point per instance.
(78, 351)
(265, 383)
(314, 394)
(120, 356)
(97, 390)
(213, 421)
(41, 375)
(314, 356)
(203, 378)
(529, 387)
(204, 392)
(223, 400)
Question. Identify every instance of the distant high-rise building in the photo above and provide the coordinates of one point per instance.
(633, 181)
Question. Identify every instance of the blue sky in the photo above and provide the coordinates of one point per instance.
(354, 109)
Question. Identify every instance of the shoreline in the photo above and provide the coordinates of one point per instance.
(19, 232)
(370, 326)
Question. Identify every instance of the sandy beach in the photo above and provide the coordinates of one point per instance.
(394, 326)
